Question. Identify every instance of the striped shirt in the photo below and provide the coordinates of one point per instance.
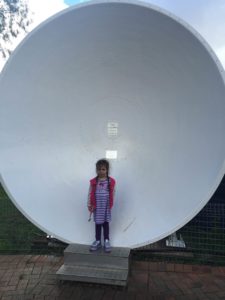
(102, 213)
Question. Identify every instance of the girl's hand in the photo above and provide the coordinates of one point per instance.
(90, 208)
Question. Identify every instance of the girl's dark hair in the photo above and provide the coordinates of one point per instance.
(103, 163)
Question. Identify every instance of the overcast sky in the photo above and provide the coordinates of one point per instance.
(206, 16)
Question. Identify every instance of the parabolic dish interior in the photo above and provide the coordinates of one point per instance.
(124, 80)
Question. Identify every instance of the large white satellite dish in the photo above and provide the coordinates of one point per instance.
(124, 79)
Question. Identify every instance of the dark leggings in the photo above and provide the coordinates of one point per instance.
(98, 231)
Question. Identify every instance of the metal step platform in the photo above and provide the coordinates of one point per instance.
(95, 267)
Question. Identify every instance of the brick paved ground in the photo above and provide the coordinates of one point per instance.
(33, 277)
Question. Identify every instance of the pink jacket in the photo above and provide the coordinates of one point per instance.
(93, 183)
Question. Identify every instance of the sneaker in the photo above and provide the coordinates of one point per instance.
(107, 246)
(95, 245)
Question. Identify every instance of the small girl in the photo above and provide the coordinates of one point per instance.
(100, 202)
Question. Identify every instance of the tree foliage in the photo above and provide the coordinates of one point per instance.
(14, 20)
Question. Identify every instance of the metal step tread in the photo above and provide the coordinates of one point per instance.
(102, 263)
(93, 275)
(84, 250)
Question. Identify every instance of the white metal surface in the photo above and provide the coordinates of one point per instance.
(126, 78)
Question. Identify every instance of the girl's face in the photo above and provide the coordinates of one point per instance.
(102, 172)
